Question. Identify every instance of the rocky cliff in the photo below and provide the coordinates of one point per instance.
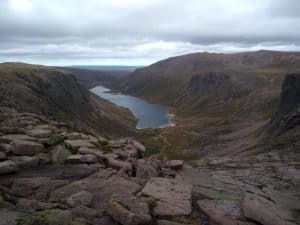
(288, 114)
(57, 95)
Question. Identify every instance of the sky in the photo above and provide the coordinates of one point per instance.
(141, 32)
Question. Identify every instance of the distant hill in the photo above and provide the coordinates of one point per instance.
(106, 67)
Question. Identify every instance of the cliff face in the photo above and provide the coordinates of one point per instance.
(58, 95)
(288, 115)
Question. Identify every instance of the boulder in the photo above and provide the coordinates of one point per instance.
(145, 171)
(82, 198)
(8, 166)
(60, 154)
(173, 196)
(39, 133)
(91, 151)
(24, 161)
(176, 164)
(118, 164)
(27, 148)
(140, 147)
(81, 159)
(76, 144)
(261, 210)
(128, 210)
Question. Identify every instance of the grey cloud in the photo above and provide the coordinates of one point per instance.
(121, 31)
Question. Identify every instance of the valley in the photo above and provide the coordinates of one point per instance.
(232, 158)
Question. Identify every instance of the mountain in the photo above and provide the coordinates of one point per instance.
(58, 95)
(169, 80)
(222, 102)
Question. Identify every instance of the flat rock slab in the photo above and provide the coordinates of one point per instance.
(173, 196)
(260, 209)
(128, 210)
(223, 212)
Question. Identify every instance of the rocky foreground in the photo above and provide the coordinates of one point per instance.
(52, 176)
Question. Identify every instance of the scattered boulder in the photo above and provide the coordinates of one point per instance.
(128, 210)
(173, 196)
(82, 198)
(8, 166)
(27, 148)
(81, 159)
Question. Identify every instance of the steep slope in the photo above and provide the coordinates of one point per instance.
(51, 92)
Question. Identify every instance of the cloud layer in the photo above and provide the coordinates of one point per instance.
(139, 32)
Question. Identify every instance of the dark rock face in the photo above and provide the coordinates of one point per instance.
(288, 115)
(214, 86)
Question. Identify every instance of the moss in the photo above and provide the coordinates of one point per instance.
(55, 139)
(61, 155)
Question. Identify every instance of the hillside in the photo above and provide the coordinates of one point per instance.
(56, 94)
(169, 80)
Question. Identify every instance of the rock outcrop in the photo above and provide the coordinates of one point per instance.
(288, 114)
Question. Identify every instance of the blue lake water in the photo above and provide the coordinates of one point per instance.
(148, 115)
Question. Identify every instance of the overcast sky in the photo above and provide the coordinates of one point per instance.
(140, 32)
